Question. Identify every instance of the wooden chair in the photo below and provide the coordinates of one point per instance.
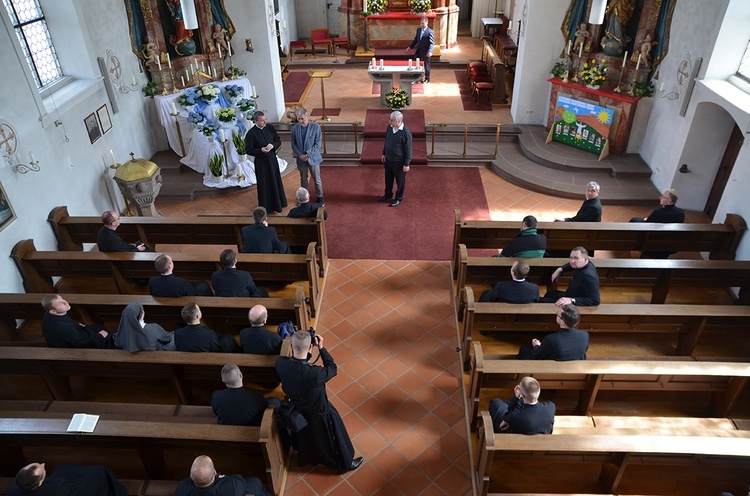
(341, 41)
(297, 44)
(320, 36)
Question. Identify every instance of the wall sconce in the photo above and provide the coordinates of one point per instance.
(669, 96)
(249, 45)
(18, 167)
(9, 146)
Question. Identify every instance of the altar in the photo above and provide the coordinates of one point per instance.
(395, 74)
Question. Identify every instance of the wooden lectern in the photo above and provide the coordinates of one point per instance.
(321, 75)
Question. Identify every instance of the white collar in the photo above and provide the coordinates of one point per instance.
(397, 129)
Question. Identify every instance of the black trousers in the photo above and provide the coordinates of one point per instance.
(395, 172)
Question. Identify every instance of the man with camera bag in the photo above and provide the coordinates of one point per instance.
(325, 439)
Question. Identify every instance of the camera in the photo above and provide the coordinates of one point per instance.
(313, 340)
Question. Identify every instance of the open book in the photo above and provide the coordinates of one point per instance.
(82, 422)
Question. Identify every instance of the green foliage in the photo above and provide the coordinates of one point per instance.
(559, 69)
(644, 88)
(397, 98)
(376, 6)
(151, 89)
(215, 164)
(235, 72)
(239, 143)
(420, 5)
(594, 73)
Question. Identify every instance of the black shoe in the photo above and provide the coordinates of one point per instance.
(427, 80)
(356, 463)
(395, 203)
(385, 198)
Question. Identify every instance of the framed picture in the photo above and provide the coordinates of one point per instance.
(7, 215)
(92, 127)
(105, 123)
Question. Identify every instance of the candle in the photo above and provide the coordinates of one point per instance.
(158, 61)
(221, 135)
(374, 62)
(203, 67)
(169, 61)
(364, 6)
(114, 162)
(283, 24)
(567, 52)
(219, 47)
(625, 59)
(409, 63)
(638, 64)
(174, 109)
(32, 157)
(183, 81)
(580, 50)
(229, 49)
(661, 88)
(417, 61)
(133, 81)
(214, 72)
(254, 93)
(382, 64)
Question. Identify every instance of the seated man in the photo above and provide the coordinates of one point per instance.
(256, 339)
(236, 405)
(171, 286)
(259, 238)
(204, 481)
(591, 209)
(109, 241)
(669, 213)
(304, 208)
(516, 291)
(61, 331)
(195, 337)
(566, 344)
(233, 282)
(523, 414)
(583, 289)
(66, 480)
(528, 244)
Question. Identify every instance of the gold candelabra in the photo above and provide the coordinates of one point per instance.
(171, 76)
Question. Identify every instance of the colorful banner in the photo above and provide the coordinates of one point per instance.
(580, 124)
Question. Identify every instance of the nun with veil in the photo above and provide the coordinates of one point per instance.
(134, 334)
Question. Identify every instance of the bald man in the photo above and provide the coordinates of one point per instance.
(67, 480)
(204, 481)
(256, 339)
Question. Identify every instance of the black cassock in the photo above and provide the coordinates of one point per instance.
(325, 439)
(270, 188)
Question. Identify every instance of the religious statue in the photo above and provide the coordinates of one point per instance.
(150, 51)
(182, 39)
(645, 50)
(615, 39)
(581, 35)
(220, 40)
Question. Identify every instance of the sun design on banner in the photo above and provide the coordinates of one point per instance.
(604, 117)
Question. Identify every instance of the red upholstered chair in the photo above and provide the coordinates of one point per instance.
(297, 44)
(320, 36)
(341, 41)
(483, 87)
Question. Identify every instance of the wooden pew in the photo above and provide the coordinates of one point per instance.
(72, 232)
(720, 240)
(725, 380)
(224, 315)
(612, 464)
(37, 268)
(162, 446)
(688, 322)
(189, 377)
(658, 275)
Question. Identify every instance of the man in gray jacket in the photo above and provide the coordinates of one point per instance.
(306, 142)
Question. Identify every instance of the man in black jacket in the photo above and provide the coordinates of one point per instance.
(583, 289)
(196, 337)
(260, 238)
(109, 241)
(528, 244)
(396, 158)
(591, 210)
(669, 213)
(61, 331)
(566, 344)
(516, 291)
(233, 282)
(523, 414)
(171, 286)
(304, 208)
(205, 481)
(66, 480)
(256, 339)
(236, 405)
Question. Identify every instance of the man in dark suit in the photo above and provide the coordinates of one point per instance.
(259, 238)
(304, 207)
(528, 244)
(669, 213)
(566, 344)
(516, 291)
(196, 337)
(523, 414)
(233, 282)
(583, 289)
(61, 331)
(425, 43)
(171, 286)
(109, 241)
(256, 339)
(236, 405)
(66, 480)
(591, 209)
(204, 481)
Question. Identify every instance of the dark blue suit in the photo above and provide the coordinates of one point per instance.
(512, 292)
(236, 283)
(425, 46)
(259, 238)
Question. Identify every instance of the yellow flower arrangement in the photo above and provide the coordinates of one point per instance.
(397, 98)
(593, 73)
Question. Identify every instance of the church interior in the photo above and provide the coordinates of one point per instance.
(661, 406)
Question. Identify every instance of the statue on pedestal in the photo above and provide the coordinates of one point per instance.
(182, 40)
(615, 39)
(150, 51)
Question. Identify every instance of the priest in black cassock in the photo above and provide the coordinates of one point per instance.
(262, 142)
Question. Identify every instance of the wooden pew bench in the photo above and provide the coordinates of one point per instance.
(657, 275)
(720, 240)
(688, 322)
(612, 464)
(189, 378)
(224, 315)
(726, 381)
(37, 268)
(165, 448)
(73, 231)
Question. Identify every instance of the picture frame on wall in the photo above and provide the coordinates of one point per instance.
(7, 214)
(105, 123)
(92, 127)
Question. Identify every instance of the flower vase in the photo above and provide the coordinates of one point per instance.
(243, 157)
(227, 125)
(593, 86)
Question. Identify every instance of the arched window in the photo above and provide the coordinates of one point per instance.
(744, 69)
(31, 29)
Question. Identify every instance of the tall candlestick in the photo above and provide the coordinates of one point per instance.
(114, 162)
(567, 52)
(174, 108)
(169, 61)
(638, 64)
(182, 78)
(625, 59)
(219, 47)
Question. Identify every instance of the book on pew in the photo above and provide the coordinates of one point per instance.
(82, 422)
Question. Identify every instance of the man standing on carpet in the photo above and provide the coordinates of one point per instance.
(262, 142)
(396, 158)
(306, 143)
(425, 43)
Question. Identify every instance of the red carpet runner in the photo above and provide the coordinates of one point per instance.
(421, 228)
(296, 87)
(376, 123)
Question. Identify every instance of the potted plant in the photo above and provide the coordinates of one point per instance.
(188, 99)
(245, 105)
(643, 88)
(227, 117)
(208, 92)
(559, 69)
(233, 92)
(239, 145)
(215, 164)
(196, 118)
(593, 73)
(151, 89)
(397, 99)
(420, 6)
(376, 6)
(209, 130)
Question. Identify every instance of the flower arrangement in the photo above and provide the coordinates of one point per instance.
(215, 164)
(151, 89)
(239, 143)
(593, 73)
(559, 69)
(233, 91)
(397, 98)
(376, 6)
(209, 129)
(246, 104)
(643, 88)
(196, 118)
(235, 72)
(420, 6)
(189, 98)
(208, 92)
(226, 114)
